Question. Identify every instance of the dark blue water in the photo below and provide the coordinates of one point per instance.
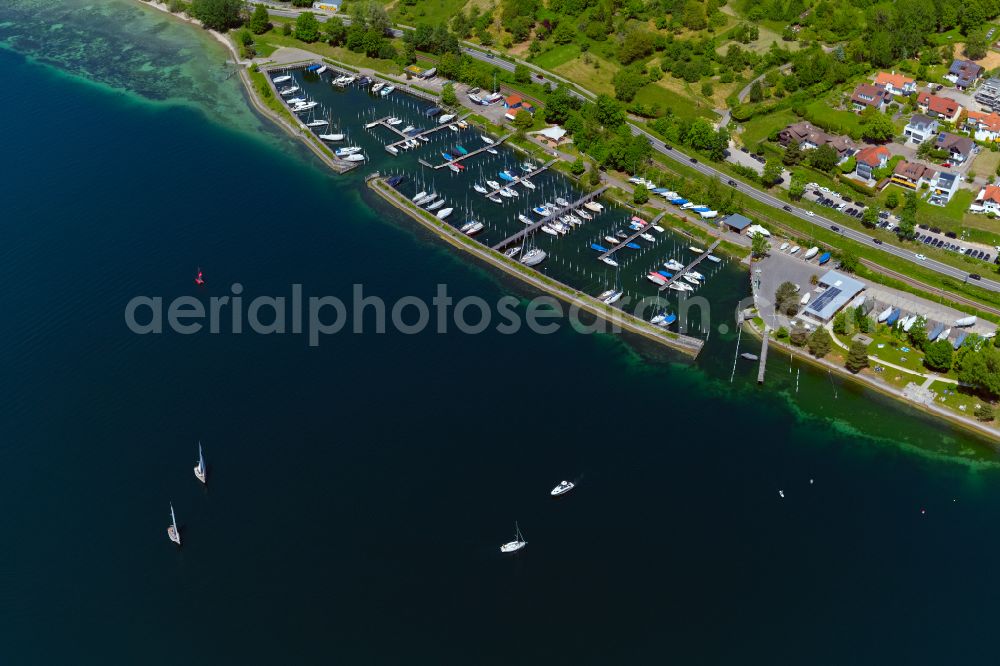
(360, 490)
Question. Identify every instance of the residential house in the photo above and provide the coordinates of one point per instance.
(942, 188)
(987, 201)
(920, 128)
(912, 175)
(935, 106)
(870, 158)
(513, 102)
(983, 126)
(809, 137)
(988, 93)
(963, 73)
(959, 148)
(868, 96)
(896, 84)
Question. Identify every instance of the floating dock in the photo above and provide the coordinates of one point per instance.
(697, 260)
(436, 128)
(520, 178)
(471, 154)
(763, 359)
(523, 233)
(631, 238)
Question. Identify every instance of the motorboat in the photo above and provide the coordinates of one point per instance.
(714, 259)
(691, 279)
(610, 262)
(549, 230)
(487, 140)
(392, 150)
(794, 249)
(494, 198)
(533, 257)
(512, 252)
(288, 91)
(593, 206)
(696, 275)
(492, 151)
(355, 157)
(347, 150)
(810, 253)
(612, 240)
(965, 321)
(658, 229)
(386, 91)
(444, 213)
(479, 188)
(377, 86)
(394, 121)
(582, 213)
(527, 183)
(295, 101)
(517, 544)
(448, 117)
(305, 106)
(612, 298)
(494, 185)
(561, 202)
(282, 78)
(331, 137)
(673, 264)
(563, 488)
(680, 286)
(696, 249)
(647, 237)
(510, 192)
(408, 129)
(748, 356)
(317, 123)
(525, 219)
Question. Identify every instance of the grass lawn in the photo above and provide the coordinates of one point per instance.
(596, 79)
(822, 113)
(557, 56)
(681, 103)
(427, 11)
(986, 162)
(757, 129)
(272, 40)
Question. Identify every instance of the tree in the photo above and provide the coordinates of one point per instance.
(820, 343)
(260, 20)
(522, 74)
(640, 194)
(878, 129)
(786, 299)
(792, 154)
(610, 113)
(707, 90)
(307, 27)
(218, 15)
(595, 176)
(448, 96)
(840, 323)
(984, 412)
(523, 121)
(824, 158)
(772, 172)
(627, 82)
(918, 333)
(981, 369)
(891, 200)
(849, 261)
(977, 45)
(759, 245)
(756, 92)
(938, 355)
(869, 217)
(577, 167)
(796, 188)
(799, 336)
(857, 357)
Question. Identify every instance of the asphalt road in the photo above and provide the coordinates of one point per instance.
(682, 158)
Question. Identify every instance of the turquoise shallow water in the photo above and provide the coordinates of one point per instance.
(360, 490)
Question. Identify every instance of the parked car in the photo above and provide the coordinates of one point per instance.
(951, 234)
(946, 164)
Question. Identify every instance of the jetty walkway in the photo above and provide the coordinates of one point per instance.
(641, 231)
(697, 260)
(524, 233)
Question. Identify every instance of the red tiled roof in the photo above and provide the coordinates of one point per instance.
(944, 106)
(992, 193)
(990, 121)
(514, 99)
(872, 155)
(896, 80)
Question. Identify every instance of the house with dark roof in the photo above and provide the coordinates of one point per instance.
(959, 148)
(870, 158)
(942, 187)
(809, 137)
(963, 73)
(988, 93)
(936, 106)
(868, 96)
(895, 84)
(911, 175)
(920, 128)
(736, 222)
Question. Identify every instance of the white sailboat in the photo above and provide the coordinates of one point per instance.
(200, 471)
(282, 78)
(332, 137)
(517, 544)
(172, 531)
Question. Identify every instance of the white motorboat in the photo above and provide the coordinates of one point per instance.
(408, 129)
(593, 206)
(492, 151)
(347, 150)
(479, 188)
(562, 203)
(372, 124)
(377, 86)
(583, 214)
(355, 157)
(487, 140)
(563, 488)
(525, 219)
(392, 150)
(305, 106)
(295, 101)
(673, 265)
(448, 117)
(549, 230)
(658, 229)
(288, 91)
(509, 192)
(610, 262)
(282, 78)
(512, 252)
(200, 471)
(444, 213)
(173, 532)
(424, 138)
(394, 121)
(437, 204)
(317, 123)
(419, 195)
(696, 275)
(517, 544)
(472, 228)
(696, 249)
(494, 185)
(504, 192)
(680, 286)
(647, 237)
(612, 240)
(331, 137)
(453, 128)
(527, 183)
(693, 280)
(612, 298)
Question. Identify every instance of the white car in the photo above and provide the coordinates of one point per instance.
(920, 257)
(810, 213)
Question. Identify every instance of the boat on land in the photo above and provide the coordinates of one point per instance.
(444, 213)
(472, 227)
(960, 339)
(517, 544)
(512, 252)
(563, 488)
(282, 78)
(331, 137)
(610, 262)
(893, 317)
(794, 250)
(811, 252)
(824, 258)
(935, 332)
(173, 532)
(784, 246)
(533, 257)
(965, 321)
(884, 315)
(200, 471)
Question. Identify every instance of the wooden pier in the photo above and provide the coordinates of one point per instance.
(631, 238)
(384, 122)
(517, 180)
(436, 128)
(763, 359)
(524, 233)
(697, 260)
(474, 152)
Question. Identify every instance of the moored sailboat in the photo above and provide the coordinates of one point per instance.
(173, 532)
(517, 544)
(200, 471)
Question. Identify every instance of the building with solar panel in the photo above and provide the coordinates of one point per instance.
(835, 291)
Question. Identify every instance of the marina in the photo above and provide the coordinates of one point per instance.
(704, 254)
(477, 151)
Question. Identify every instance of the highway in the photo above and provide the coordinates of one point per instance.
(682, 158)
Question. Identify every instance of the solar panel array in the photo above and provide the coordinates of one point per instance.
(824, 299)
